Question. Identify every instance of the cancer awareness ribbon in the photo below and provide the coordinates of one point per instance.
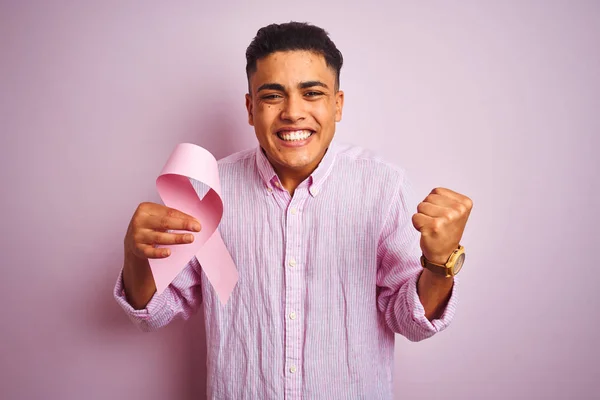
(176, 191)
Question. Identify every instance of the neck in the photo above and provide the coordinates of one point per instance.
(291, 178)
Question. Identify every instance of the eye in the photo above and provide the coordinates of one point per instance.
(272, 96)
(313, 93)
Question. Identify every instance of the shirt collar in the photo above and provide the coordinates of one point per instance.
(314, 181)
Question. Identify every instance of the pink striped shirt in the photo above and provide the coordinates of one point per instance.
(326, 279)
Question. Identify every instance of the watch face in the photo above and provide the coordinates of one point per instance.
(459, 263)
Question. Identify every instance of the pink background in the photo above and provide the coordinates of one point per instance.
(498, 100)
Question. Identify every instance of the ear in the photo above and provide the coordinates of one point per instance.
(250, 109)
(339, 105)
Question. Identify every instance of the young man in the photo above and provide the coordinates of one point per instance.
(325, 238)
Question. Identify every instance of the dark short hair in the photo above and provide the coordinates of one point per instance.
(292, 36)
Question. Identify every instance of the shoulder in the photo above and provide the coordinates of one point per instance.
(238, 164)
(363, 162)
(238, 171)
(238, 158)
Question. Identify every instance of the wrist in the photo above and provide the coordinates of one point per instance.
(439, 259)
(434, 291)
(138, 281)
(446, 268)
(435, 280)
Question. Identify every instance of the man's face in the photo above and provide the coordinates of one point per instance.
(294, 107)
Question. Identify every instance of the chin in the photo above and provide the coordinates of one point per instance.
(297, 164)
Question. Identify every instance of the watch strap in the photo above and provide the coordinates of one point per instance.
(435, 268)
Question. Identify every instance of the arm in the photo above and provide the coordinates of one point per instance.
(180, 299)
(135, 290)
(138, 281)
(414, 303)
(434, 292)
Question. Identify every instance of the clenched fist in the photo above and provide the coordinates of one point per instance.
(149, 228)
(441, 219)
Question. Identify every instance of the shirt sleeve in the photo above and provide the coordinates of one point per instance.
(180, 299)
(399, 269)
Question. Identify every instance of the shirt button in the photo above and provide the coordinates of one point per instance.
(269, 190)
(293, 369)
(292, 315)
(294, 211)
(278, 185)
(292, 262)
(313, 191)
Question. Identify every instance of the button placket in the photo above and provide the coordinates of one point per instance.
(294, 290)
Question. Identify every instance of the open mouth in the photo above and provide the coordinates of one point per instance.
(295, 136)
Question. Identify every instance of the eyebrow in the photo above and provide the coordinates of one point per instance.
(301, 85)
(309, 84)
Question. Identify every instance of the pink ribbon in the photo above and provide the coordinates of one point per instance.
(176, 191)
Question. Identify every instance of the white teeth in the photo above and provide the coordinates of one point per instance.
(292, 136)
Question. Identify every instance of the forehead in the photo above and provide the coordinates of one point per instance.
(292, 67)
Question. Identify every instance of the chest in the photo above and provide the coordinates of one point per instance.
(319, 241)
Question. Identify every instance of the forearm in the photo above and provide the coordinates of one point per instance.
(434, 292)
(138, 281)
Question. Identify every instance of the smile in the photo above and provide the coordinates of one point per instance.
(295, 136)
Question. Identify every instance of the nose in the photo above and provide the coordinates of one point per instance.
(293, 109)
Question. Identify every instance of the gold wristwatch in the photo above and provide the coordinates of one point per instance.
(452, 266)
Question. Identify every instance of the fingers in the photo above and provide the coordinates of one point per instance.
(462, 199)
(159, 209)
(445, 203)
(165, 223)
(443, 213)
(161, 238)
(148, 251)
(150, 227)
(162, 216)
(438, 208)
(174, 213)
(146, 243)
(441, 200)
(432, 210)
(422, 221)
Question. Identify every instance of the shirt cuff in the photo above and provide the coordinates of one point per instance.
(146, 319)
(418, 312)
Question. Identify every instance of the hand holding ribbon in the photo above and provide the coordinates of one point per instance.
(187, 162)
